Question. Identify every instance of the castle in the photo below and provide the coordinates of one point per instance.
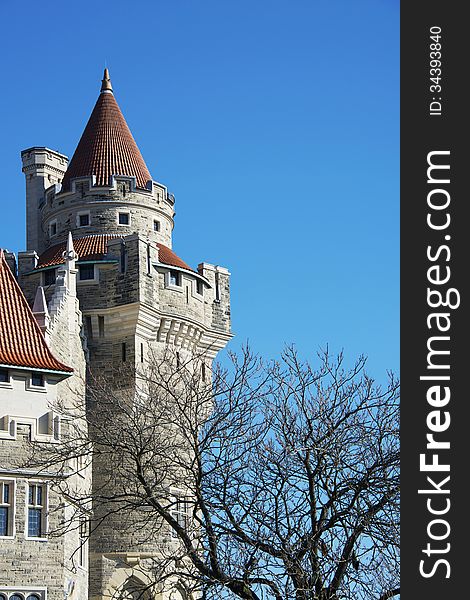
(98, 285)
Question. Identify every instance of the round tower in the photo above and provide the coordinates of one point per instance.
(138, 298)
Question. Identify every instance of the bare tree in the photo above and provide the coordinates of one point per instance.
(265, 480)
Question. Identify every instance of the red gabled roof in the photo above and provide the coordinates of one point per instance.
(95, 247)
(107, 147)
(22, 343)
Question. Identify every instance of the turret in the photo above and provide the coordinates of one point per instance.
(43, 168)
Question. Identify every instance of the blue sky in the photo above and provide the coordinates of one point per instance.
(274, 123)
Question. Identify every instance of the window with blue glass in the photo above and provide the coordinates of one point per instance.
(6, 508)
(37, 379)
(36, 510)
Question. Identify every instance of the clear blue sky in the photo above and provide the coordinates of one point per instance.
(274, 123)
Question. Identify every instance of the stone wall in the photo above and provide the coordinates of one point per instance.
(103, 206)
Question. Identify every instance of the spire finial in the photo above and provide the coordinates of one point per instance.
(106, 82)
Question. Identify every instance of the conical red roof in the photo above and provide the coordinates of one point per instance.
(107, 147)
(22, 343)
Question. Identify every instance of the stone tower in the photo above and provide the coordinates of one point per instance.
(137, 297)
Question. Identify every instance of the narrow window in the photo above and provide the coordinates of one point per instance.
(50, 276)
(37, 379)
(217, 287)
(148, 260)
(86, 272)
(199, 287)
(101, 326)
(203, 371)
(123, 218)
(123, 351)
(53, 228)
(141, 353)
(4, 376)
(156, 225)
(123, 257)
(88, 327)
(6, 508)
(36, 510)
(179, 512)
(187, 294)
(83, 537)
(178, 361)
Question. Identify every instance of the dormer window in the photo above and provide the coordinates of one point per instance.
(124, 218)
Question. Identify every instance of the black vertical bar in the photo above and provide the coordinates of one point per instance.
(434, 272)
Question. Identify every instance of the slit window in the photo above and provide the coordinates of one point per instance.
(149, 266)
(101, 326)
(123, 351)
(88, 326)
(123, 263)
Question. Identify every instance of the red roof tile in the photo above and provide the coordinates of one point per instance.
(94, 247)
(90, 247)
(22, 343)
(107, 147)
(168, 257)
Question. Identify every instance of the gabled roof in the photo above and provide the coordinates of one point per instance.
(107, 147)
(95, 247)
(22, 343)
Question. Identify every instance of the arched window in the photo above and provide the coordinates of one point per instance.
(33, 597)
(17, 597)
